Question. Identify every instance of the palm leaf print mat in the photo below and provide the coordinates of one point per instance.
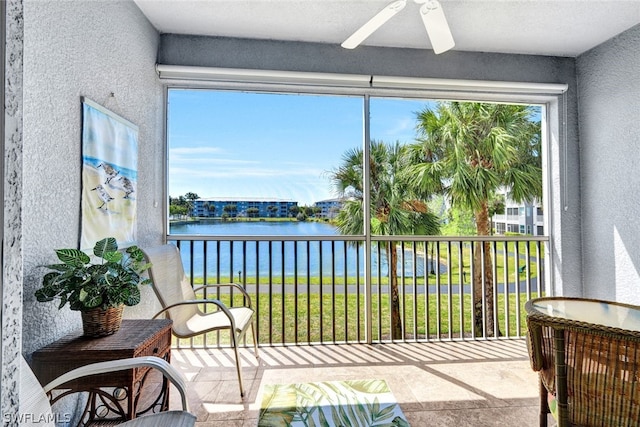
(365, 403)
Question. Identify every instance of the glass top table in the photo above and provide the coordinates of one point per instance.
(605, 313)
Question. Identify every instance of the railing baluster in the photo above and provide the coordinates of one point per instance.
(205, 268)
(282, 293)
(218, 264)
(539, 271)
(389, 294)
(414, 273)
(258, 290)
(270, 285)
(346, 292)
(483, 272)
(527, 256)
(204, 282)
(308, 291)
(496, 292)
(295, 292)
(438, 296)
(516, 273)
(321, 291)
(379, 285)
(472, 281)
(191, 281)
(428, 264)
(243, 279)
(358, 305)
(505, 280)
(462, 279)
(449, 294)
(402, 285)
(232, 251)
(333, 290)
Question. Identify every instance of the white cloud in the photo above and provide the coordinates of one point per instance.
(195, 173)
(186, 151)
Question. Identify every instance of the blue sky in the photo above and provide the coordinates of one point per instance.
(235, 144)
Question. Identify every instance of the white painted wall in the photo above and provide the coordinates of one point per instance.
(609, 108)
(74, 49)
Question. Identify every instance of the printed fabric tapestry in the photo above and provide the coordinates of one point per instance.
(109, 176)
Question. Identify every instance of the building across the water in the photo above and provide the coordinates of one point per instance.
(243, 207)
(329, 208)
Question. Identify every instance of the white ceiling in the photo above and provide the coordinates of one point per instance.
(556, 27)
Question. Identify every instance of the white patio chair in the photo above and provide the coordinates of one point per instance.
(181, 305)
(35, 409)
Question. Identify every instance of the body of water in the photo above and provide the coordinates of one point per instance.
(279, 258)
(257, 228)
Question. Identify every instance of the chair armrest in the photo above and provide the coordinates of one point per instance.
(534, 345)
(218, 303)
(162, 365)
(229, 285)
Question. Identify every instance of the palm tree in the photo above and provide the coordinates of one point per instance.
(294, 210)
(231, 210)
(191, 198)
(395, 208)
(273, 210)
(212, 209)
(469, 151)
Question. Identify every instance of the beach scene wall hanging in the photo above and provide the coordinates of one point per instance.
(109, 176)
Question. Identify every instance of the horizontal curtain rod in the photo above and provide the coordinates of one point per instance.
(239, 75)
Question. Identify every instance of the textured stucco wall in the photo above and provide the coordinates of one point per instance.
(12, 226)
(609, 108)
(294, 56)
(317, 57)
(74, 49)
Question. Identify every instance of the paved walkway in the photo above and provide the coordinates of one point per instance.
(456, 384)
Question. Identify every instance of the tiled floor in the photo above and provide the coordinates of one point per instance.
(471, 384)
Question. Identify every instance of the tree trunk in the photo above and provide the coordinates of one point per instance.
(484, 324)
(396, 319)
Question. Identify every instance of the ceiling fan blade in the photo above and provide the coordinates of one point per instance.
(437, 27)
(373, 24)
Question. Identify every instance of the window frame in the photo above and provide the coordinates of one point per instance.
(551, 97)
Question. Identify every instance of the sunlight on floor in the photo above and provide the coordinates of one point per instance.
(446, 384)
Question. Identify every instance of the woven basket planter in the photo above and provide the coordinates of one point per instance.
(100, 323)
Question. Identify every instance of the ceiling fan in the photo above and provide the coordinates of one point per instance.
(432, 16)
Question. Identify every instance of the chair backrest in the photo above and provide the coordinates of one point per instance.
(598, 378)
(171, 285)
(35, 409)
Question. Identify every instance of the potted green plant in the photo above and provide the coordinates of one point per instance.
(100, 289)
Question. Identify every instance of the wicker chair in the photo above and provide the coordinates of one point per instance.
(35, 408)
(587, 353)
(181, 305)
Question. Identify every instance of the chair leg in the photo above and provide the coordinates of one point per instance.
(544, 404)
(235, 341)
(255, 339)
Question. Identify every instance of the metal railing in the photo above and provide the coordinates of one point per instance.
(318, 289)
